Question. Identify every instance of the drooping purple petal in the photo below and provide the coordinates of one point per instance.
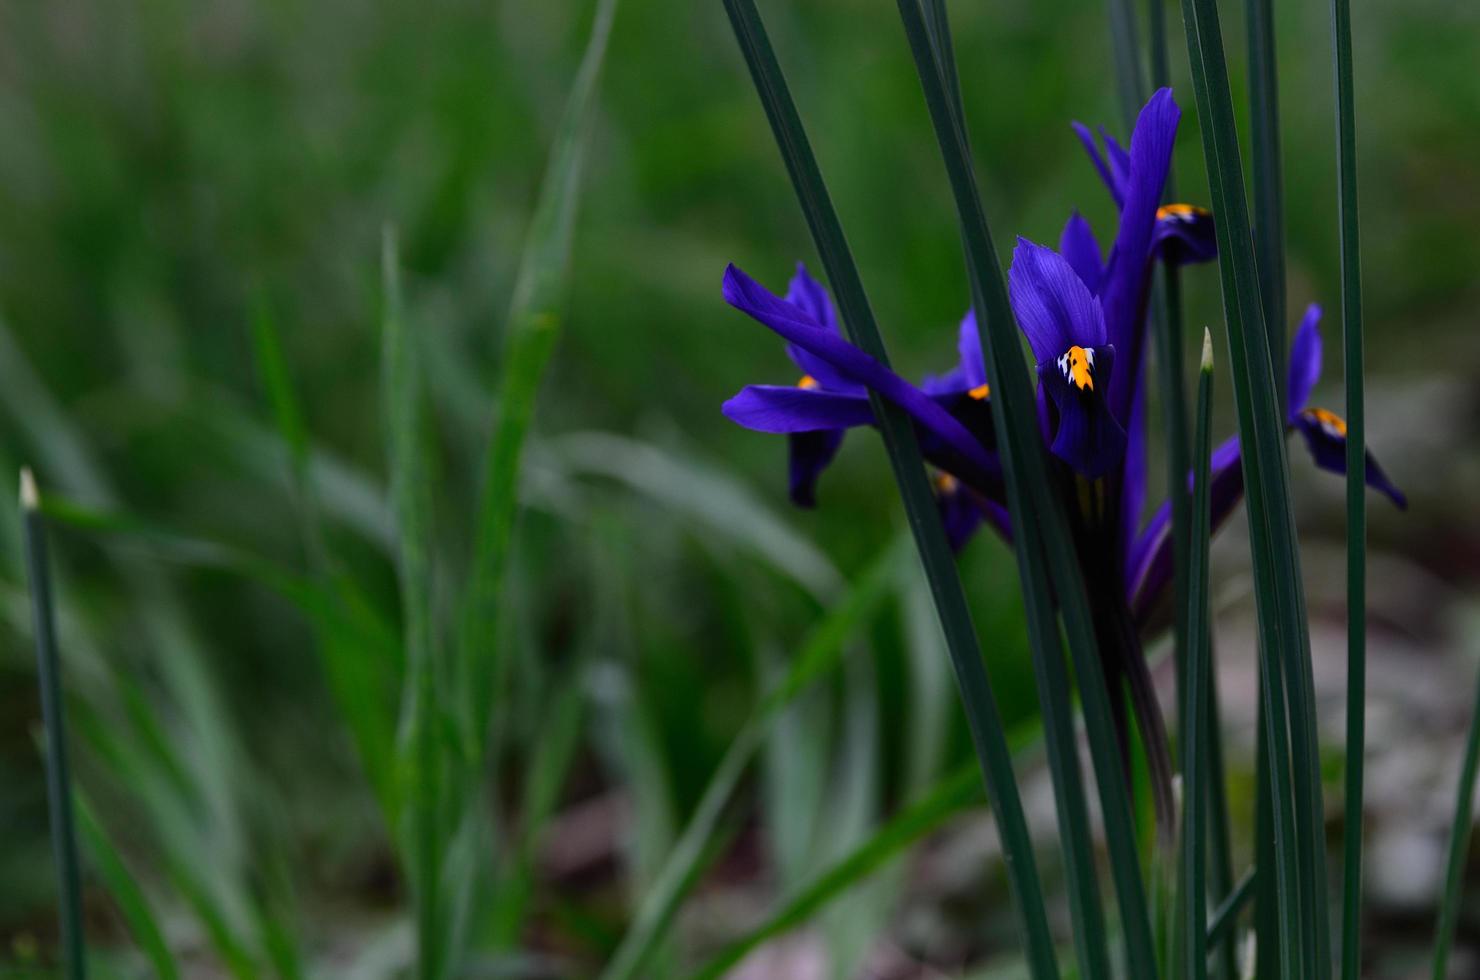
(792, 324)
(1325, 436)
(1305, 360)
(963, 510)
(809, 453)
(1088, 437)
(783, 408)
(1184, 235)
(1054, 308)
(1127, 277)
(1082, 251)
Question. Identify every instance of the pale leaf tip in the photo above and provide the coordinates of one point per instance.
(30, 498)
(1207, 354)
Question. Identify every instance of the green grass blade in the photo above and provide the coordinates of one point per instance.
(1125, 46)
(1220, 929)
(1459, 845)
(820, 653)
(272, 369)
(1284, 643)
(955, 792)
(132, 903)
(1220, 835)
(982, 715)
(530, 333)
(1194, 727)
(58, 775)
(1035, 507)
(1267, 178)
(712, 498)
(1356, 490)
(411, 499)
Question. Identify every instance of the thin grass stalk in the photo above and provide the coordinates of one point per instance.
(419, 735)
(1220, 929)
(1267, 178)
(1125, 46)
(1220, 837)
(1091, 939)
(1194, 728)
(1278, 589)
(1030, 499)
(1356, 495)
(1459, 845)
(53, 716)
(982, 715)
(533, 326)
(1269, 923)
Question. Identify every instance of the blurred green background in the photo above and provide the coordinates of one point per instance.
(170, 170)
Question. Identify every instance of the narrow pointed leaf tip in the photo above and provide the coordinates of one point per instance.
(30, 498)
(1207, 354)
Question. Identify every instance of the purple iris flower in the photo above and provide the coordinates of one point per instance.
(1085, 319)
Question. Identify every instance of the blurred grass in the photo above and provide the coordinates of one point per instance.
(170, 169)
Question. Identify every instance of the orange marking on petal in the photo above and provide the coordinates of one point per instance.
(807, 381)
(945, 483)
(1184, 212)
(1077, 366)
(1333, 424)
(981, 392)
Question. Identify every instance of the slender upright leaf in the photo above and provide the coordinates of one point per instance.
(1356, 490)
(982, 715)
(1267, 177)
(53, 716)
(1195, 731)
(410, 495)
(530, 333)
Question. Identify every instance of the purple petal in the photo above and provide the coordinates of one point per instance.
(1053, 306)
(1305, 360)
(749, 296)
(1082, 251)
(787, 408)
(1133, 483)
(1116, 157)
(1092, 147)
(969, 347)
(1124, 292)
(809, 454)
(1325, 436)
(1151, 559)
(1184, 235)
(970, 371)
(809, 296)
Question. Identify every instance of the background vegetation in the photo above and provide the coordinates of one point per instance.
(173, 174)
